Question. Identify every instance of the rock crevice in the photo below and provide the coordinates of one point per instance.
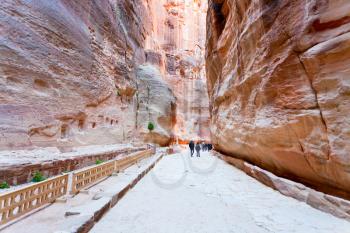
(317, 104)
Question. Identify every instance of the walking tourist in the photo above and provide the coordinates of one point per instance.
(191, 145)
(198, 149)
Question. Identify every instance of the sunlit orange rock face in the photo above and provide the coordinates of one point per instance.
(177, 46)
(278, 80)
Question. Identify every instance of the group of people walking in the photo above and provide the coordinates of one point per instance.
(198, 147)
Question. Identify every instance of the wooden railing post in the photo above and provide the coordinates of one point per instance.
(19, 202)
(88, 176)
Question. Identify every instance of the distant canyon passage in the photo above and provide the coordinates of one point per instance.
(267, 81)
(279, 82)
(97, 72)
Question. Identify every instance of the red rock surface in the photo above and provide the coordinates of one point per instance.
(177, 48)
(278, 80)
(69, 71)
(61, 66)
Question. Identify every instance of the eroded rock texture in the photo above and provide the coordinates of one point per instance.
(177, 48)
(69, 72)
(61, 66)
(156, 103)
(278, 80)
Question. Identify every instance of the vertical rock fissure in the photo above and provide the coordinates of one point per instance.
(220, 19)
(305, 154)
(317, 103)
(137, 104)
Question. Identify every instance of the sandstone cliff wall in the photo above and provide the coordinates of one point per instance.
(278, 82)
(177, 47)
(68, 71)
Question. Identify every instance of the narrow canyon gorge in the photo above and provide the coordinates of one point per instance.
(97, 72)
(265, 81)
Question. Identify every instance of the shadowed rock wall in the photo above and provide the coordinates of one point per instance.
(278, 82)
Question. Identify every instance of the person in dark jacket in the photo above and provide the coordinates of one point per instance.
(198, 149)
(204, 146)
(191, 145)
(210, 147)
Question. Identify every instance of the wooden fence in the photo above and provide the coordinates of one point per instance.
(88, 176)
(124, 163)
(142, 155)
(19, 202)
(22, 201)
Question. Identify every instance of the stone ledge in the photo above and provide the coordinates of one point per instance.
(109, 201)
(324, 202)
(22, 173)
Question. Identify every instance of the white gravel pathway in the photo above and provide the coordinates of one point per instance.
(205, 194)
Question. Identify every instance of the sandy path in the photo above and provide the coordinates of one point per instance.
(205, 194)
